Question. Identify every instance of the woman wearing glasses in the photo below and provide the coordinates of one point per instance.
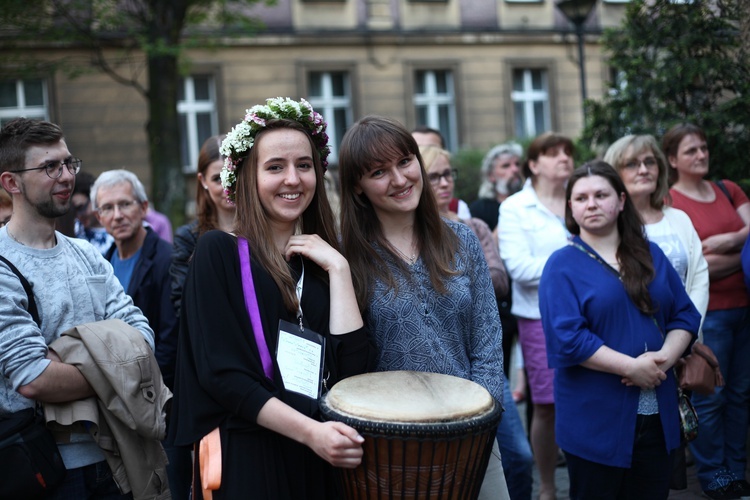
(409, 263)
(644, 171)
(441, 176)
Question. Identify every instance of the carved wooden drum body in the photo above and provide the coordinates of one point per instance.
(427, 436)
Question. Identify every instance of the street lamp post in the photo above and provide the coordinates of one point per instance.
(577, 11)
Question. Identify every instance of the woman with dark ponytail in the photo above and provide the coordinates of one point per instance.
(616, 318)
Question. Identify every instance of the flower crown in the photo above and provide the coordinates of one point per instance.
(241, 139)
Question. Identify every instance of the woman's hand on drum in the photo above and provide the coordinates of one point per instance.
(337, 444)
(645, 371)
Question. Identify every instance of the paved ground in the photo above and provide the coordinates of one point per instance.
(692, 492)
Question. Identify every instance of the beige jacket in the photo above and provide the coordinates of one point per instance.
(129, 410)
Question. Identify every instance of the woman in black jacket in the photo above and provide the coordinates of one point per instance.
(213, 209)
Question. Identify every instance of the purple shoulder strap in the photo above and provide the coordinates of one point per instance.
(251, 304)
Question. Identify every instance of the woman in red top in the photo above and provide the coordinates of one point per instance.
(720, 213)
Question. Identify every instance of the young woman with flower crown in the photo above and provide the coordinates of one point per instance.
(421, 280)
(272, 444)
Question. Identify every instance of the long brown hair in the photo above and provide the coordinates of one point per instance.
(205, 207)
(252, 221)
(369, 143)
(633, 252)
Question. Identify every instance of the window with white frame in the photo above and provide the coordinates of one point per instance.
(618, 81)
(329, 93)
(531, 107)
(23, 98)
(434, 103)
(196, 105)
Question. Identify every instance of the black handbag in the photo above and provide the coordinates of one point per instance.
(29, 458)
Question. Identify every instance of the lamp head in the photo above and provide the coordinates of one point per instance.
(577, 11)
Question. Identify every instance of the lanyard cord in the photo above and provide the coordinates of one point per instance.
(300, 284)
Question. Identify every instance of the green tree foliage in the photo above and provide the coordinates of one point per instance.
(678, 61)
(118, 35)
(468, 162)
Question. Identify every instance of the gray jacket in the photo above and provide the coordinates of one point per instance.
(128, 414)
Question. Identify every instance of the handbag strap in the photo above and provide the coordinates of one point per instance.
(27, 288)
(616, 273)
(251, 304)
(720, 184)
(596, 258)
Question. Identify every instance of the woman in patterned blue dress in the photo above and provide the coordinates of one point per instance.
(422, 282)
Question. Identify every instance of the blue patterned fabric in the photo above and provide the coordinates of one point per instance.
(459, 333)
(97, 236)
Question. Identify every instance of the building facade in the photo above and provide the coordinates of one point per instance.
(481, 71)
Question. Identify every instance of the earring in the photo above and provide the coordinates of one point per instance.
(205, 187)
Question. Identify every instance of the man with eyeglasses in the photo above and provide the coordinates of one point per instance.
(72, 284)
(139, 257)
(141, 261)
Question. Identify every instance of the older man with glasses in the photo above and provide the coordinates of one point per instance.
(141, 261)
(71, 283)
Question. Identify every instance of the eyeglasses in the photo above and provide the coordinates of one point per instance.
(54, 169)
(448, 175)
(649, 162)
(123, 206)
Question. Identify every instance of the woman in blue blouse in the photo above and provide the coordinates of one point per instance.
(617, 318)
(422, 282)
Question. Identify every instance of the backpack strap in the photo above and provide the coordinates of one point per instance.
(27, 288)
(724, 190)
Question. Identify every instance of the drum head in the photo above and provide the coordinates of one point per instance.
(409, 397)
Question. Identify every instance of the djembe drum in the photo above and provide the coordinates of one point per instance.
(427, 436)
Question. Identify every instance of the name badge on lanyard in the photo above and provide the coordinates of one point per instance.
(300, 353)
